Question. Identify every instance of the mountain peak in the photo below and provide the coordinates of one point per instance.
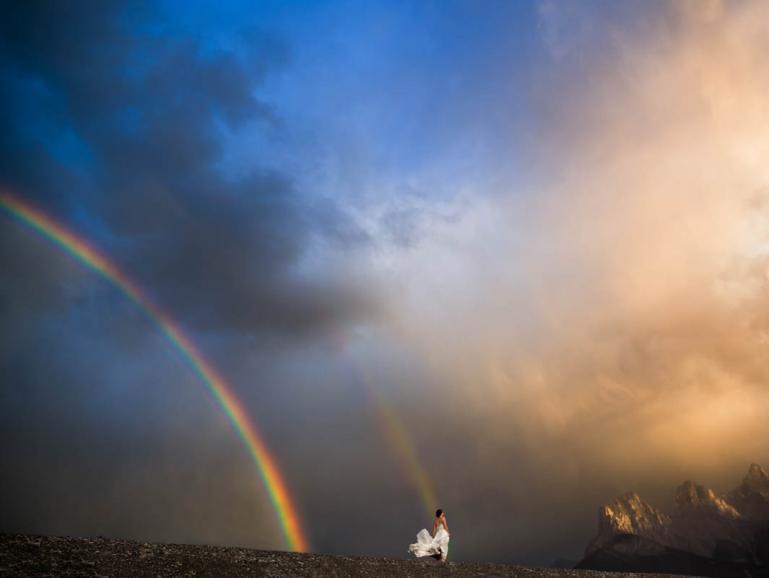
(756, 478)
(629, 514)
(751, 498)
(694, 497)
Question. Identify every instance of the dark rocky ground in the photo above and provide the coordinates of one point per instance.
(22, 555)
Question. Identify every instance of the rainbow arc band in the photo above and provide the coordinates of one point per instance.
(222, 393)
(403, 445)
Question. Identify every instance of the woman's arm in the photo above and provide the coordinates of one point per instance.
(446, 524)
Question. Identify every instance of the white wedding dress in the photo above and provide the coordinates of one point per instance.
(428, 545)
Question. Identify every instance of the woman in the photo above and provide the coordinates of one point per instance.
(436, 545)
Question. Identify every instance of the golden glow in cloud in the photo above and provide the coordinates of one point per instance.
(617, 315)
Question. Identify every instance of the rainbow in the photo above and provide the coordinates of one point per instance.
(222, 393)
(398, 436)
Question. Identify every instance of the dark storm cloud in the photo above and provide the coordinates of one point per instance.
(115, 125)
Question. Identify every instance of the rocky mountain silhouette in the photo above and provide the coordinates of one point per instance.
(707, 534)
(751, 498)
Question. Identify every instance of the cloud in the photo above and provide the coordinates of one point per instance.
(147, 111)
(606, 325)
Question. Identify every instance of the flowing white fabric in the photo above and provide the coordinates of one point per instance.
(428, 545)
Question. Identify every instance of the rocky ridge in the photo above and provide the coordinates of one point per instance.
(629, 514)
(730, 530)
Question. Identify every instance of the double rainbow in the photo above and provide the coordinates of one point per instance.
(222, 393)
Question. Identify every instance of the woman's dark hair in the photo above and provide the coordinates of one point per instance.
(438, 513)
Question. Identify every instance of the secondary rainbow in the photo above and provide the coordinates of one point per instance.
(398, 436)
(266, 465)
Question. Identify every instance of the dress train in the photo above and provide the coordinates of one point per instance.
(427, 545)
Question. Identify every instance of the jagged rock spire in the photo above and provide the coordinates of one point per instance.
(629, 514)
(694, 497)
(757, 480)
(751, 498)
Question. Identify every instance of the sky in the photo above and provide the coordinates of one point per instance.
(505, 258)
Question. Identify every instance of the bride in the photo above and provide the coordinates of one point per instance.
(435, 545)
